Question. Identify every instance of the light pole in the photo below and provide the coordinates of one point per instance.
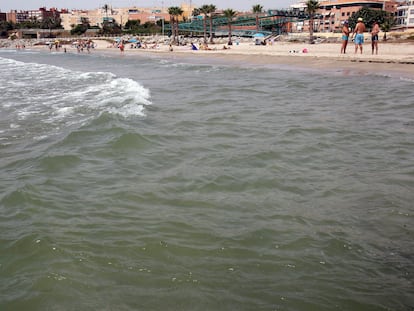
(162, 18)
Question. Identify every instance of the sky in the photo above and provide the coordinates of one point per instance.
(239, 5)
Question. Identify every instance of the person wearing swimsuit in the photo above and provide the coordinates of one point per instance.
(359, 37)
(345, 36)
(374, 37)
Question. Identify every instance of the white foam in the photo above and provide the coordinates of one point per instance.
(128, 110)
(98, 74)
(406, 79)
(44, 99)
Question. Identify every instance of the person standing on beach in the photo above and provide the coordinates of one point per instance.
(345, 36)
(374, 37)
(359, 37)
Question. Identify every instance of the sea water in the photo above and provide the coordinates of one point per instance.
(151, 183)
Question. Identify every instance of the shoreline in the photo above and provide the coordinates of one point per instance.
(394, 59)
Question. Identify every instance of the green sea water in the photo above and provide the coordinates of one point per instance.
(143, 183)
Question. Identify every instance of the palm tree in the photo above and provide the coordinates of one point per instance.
(174, 12)
(229, 14)
(212, 9)
(205, 9)
(106, 8)
(172, 22)
(311, 7)
(178, 12)
(257, 9)
(196, 12)
(386, 25)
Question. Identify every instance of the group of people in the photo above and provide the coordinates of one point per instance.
(203, 46)
(359, 36)
(138, 45)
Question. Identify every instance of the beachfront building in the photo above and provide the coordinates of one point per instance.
(145, 15)
(405, 16)
(121, 16)
(332, 13)
(39, 15)
(15, 16)
(96, 18)
(188, 9)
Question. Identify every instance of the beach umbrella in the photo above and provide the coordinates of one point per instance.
(133, 40)
(258, 38)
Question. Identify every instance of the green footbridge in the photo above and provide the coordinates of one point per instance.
(271, 24)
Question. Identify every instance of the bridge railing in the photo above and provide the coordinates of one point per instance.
(219, 22)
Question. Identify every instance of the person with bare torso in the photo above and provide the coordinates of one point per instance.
(345, 36)
(374, 37)
(359, 37)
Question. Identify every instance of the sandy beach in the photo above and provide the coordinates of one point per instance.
(394, 58)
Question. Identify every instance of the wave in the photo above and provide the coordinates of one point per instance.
(41, 98)
(406, 79)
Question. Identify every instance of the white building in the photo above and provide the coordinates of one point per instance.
(94, 18)
(299, 6)
(405, 16)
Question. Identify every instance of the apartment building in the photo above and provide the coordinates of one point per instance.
(148, 14)
(405, 16)
(94, 17)
(22, 16)
(97, 17)
(33, 15)
(332, 13)
(120, 15)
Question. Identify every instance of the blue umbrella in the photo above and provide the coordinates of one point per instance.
(258, 35)
(133, 40)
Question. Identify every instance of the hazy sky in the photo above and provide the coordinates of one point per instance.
(241, 5)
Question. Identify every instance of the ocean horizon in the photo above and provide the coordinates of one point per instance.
(153, 183)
